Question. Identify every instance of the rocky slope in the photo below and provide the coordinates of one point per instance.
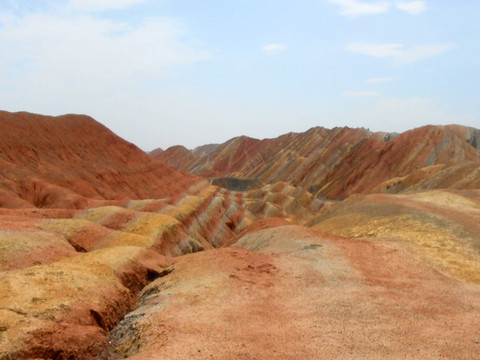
(113, 255)
(392, 271)
(67, 277)
(68, 160)
(289, 292)
(440, 226)
(179, 157)
(175, 156)
(340, 162)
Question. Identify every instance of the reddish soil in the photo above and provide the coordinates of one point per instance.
(88, 223)
(63, 162)
(263, 224)
(303, 295)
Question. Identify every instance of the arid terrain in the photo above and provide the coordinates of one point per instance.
(341, 162)
(328, 244)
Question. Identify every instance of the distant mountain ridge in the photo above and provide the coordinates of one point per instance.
(340, 162)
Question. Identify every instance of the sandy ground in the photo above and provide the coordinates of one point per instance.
(299, 294)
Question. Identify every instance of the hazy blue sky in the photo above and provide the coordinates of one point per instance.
(165, 72)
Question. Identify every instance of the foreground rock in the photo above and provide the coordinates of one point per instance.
(64, 310)
(298, 294)
(398, 280)
(68, 277)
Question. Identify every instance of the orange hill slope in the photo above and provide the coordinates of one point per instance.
(396, 277)
(289, 292)
(160, 264)
(175, 156)
(342, 161)
(64, 161)
(67, 277)
(415, 156)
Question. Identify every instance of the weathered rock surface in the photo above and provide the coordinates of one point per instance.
(442, 227)
(108, 254)
(175, 156)
(408, 155)
(65, 309)
(340, 162)
(299, 294)
(70, 160)
(205, 149)
(68, 277)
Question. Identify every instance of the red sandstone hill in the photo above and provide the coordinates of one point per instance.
(379, 275)
(156, 152)
(176, 156)
(180, 157)
(342, 161)
(205, 149)
(67, 160)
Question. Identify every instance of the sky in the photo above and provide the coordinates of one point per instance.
(165, 72)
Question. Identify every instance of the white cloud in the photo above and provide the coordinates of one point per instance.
(65, 63)
(355, 7)
(91, 50)
(361, 94)
(273, 49)
(398, 53)
(100, 5)
(412, 7)
(376, 50)
(378, 80)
